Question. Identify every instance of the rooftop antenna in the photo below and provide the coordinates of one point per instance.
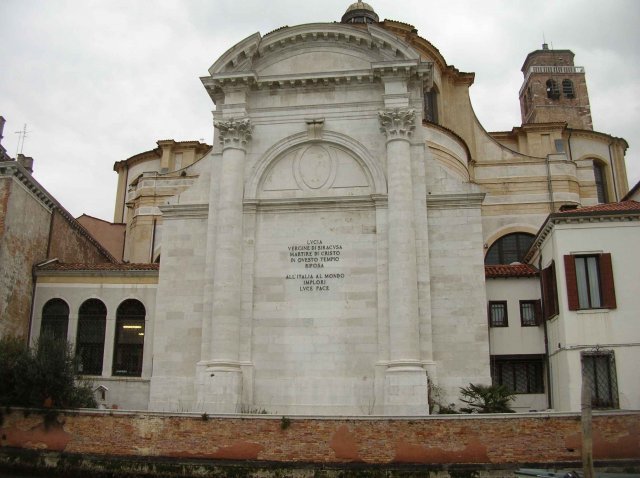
(21, 137)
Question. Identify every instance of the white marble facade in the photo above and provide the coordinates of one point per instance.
(305, 272)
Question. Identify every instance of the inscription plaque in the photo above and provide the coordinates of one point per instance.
(312, 257)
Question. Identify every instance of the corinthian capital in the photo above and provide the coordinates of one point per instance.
(397, 122)
(236, 132)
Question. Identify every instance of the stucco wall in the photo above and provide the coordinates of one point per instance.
(573, 332)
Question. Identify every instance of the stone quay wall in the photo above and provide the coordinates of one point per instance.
(495, 441)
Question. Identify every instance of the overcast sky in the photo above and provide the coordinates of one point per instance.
(97, 81)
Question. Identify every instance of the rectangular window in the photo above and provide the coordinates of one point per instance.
(599, 370)
(127, 359)
(587, 279)
(519, 374)
(530, 313)
(589, 282)
(498, 313)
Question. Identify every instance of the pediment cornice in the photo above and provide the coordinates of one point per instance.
(410, 69)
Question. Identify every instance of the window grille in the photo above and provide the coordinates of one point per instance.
(521, 374)
(92, 318)
(567, 88)
(498, 313)
(529, 313)
(55, 319)
(509, 248)
(552, 90)
(599, 370)
(129, 345)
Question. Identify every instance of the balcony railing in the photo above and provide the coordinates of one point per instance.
(552, 70)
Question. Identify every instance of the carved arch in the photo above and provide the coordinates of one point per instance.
(372, 168)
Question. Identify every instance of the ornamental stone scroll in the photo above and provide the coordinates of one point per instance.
(234, 132)
(397, 122)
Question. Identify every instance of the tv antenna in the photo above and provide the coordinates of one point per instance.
(22, 135)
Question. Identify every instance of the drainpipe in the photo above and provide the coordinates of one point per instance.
(547, 364)
(613, 174)
(552, 205)
(153, 239)
(569, 146)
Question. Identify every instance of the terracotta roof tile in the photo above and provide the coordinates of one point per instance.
(607, 207)
(104, 266)
(509, 270)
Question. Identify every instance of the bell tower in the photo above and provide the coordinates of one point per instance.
(554, 90)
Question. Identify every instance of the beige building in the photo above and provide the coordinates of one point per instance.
(345, 245)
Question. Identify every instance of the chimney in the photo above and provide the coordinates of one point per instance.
(26, 162)
(3, 152)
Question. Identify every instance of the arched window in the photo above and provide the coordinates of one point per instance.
(92, 319)
(129, 345)
(509, 248)
(567, 88)
(55, 319)
(552, 90)
(601, 182)
(431, 105)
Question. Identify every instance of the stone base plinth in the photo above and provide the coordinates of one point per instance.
(219, 387)
(406, 390)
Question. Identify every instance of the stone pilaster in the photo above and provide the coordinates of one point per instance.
(405, 381)
(219, 381)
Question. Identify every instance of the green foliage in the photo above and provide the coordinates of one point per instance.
(285, 422)
(486, 399)
(43, 376)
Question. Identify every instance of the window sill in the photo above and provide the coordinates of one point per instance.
(593, 311)
(118, 378)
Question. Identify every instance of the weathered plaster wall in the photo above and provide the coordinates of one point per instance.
(493, 440)
(24, 228)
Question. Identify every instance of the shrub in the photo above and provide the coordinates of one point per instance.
(43, 376)
(486, 399)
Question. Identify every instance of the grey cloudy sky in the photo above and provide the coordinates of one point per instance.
(97, 81)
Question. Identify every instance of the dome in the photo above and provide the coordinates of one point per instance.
(360, 12)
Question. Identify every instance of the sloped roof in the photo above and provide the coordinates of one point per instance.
(623, 206)
(509, 270)
(123, 267)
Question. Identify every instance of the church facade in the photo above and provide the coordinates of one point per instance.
(346, 247)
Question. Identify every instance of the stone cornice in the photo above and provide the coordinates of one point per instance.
(322, 203)
(15, 170)
(412, 69)
(182, 211)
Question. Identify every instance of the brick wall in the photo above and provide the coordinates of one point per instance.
(463, 440)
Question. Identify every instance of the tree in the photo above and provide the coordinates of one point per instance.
(486, 399)
(43, 376)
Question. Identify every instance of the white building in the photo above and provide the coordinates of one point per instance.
(327, 255)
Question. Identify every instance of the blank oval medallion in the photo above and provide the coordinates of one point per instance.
(315, 167)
